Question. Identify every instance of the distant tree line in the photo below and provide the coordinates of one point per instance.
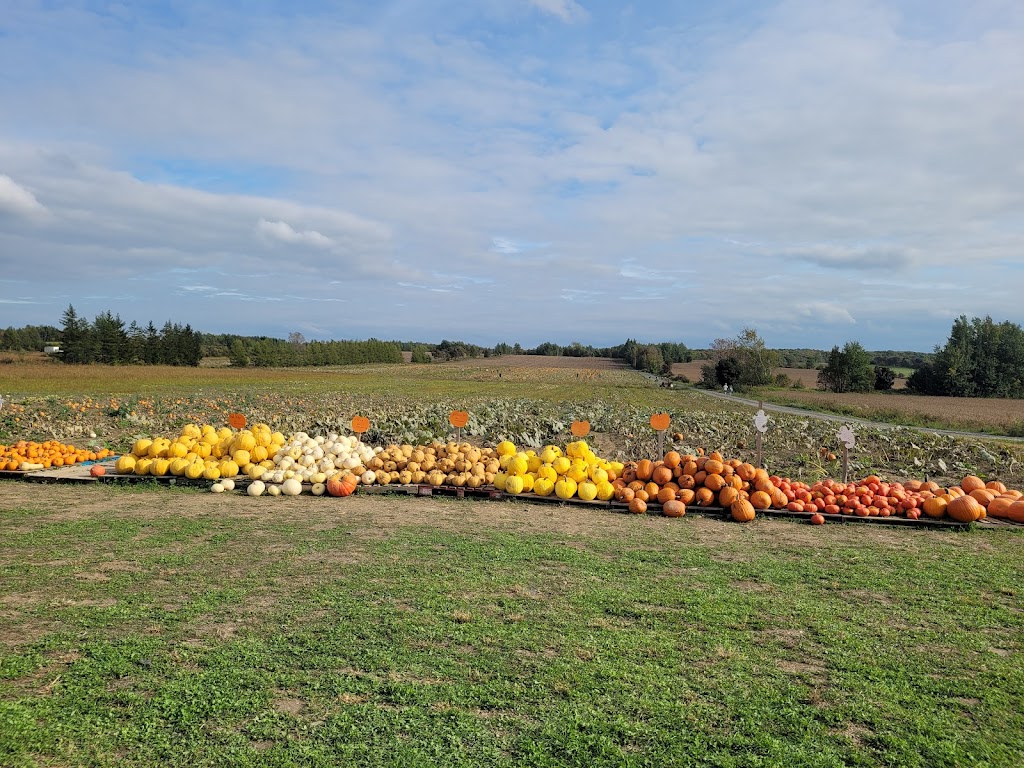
(31, 338)
(107, 340)
(267, 352)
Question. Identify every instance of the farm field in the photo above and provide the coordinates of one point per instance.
(155, 626)
(806, 376)
(998, 415)
(514, 398)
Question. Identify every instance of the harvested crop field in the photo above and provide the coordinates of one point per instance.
(969, 413)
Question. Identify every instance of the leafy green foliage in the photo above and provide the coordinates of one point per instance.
(847, 370)
(885, 377)
(980, 359)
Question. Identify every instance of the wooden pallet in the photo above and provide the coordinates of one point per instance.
(77, 473)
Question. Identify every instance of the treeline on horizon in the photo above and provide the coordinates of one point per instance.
(981, 358)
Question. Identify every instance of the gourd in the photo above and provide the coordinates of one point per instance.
(217, 488)
(228, 484)
(256, 488)
(274, 490)
(318, 489)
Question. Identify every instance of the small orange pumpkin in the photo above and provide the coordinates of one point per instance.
(342, 486)
(673, 508)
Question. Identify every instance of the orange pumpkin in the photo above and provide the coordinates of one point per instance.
(714, 467)
(1015, 512)
(661, 475)
(637, 506)
(972, 483)
(727, 496)
(704, 497)
(983, 496)
(686, 495)
(97, 470)
(965, 509)
(644, 469)
(760, 500)
(742, 511)
(672, 459)
(936, 505)
(673, 508)
(342, 486)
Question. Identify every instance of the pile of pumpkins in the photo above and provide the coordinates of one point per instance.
(337, 465)
(203, 451)
(576, 473)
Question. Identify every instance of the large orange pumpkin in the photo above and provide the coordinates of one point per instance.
(998, 507)
(742, 511)
(965, 509)
(672, 459)
(1015, 512)
(727, 496)
(644, 469)
(714, 467)
(637, 506)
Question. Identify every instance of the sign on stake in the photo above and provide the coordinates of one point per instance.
(845, 435)
(660, 423)
(580, 428)
(360, 424)
(458, 419)
(237, 420)
(761, 425)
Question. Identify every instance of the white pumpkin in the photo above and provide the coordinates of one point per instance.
(318, 489)
(274, 490)
(368, 477)
(256, 488)
(217, 488)
(291, 487)
(228, 484)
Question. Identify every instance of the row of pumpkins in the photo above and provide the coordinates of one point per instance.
(337, 465)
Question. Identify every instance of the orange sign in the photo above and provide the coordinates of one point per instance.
(580, 428)
(360, 424)
(236, 420)
(458, 419)
(660, 421)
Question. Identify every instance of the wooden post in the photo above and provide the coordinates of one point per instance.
(846, 464)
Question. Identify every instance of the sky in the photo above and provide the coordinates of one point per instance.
(516, 170)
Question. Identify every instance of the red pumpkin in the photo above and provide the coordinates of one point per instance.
(97, 470)
(342, 486)
(817, 519)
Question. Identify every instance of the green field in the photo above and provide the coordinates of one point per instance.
(160, 627)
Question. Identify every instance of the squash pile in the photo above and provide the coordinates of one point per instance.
(203, 451)
(460, 465)
(27, 456)
(576, 473)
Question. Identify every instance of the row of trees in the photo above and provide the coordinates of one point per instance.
(265, 352)
(31, 338)
(108, 340)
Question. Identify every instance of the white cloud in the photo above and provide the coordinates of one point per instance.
(18, 201)
(283, 231)
(568, 11)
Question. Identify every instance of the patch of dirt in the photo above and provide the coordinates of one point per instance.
(289, 706)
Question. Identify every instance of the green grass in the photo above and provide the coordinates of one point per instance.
(374, 633)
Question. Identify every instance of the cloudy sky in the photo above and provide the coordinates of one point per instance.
(518, 170)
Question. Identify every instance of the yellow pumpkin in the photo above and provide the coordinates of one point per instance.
(565, 488)
(514, 484)
(587, 491)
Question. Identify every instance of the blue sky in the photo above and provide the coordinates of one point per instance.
(518, 170)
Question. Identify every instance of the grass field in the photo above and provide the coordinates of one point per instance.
(144, 627)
